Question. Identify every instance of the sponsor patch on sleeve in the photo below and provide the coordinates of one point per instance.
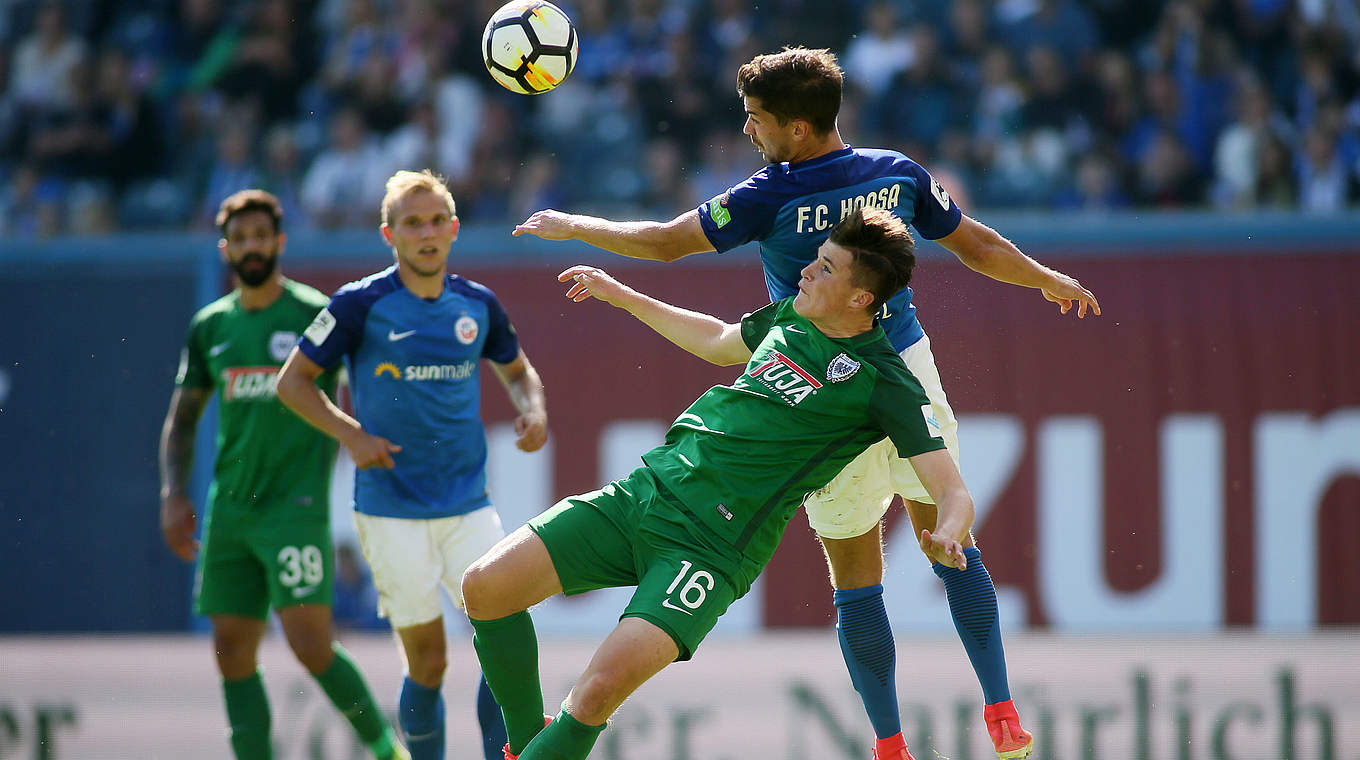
(932, 422)
(717, 210)
(937, 190)
(321, 327)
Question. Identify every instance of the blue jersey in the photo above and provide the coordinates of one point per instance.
(414, 375)
(791, 208)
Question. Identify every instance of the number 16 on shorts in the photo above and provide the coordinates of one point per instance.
(689, 590)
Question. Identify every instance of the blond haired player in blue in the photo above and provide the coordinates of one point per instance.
(413, 337)
(814, 179)
(267, 533)
(697, 523)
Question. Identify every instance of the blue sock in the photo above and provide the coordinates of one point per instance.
(870, 654)
(972, 602)
(420, 711)
(493, 723)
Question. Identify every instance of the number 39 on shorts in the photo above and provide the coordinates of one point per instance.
(301, 565)
(692, 588)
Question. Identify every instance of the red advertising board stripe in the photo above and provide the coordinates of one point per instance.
(1231, 338)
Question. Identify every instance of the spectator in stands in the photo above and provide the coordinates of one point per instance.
(1325, 183)
(1239, 147)
(338, 189)
(1275, 186)
(235, 169)
(1167, 175)
(1094, 73)
(880, 52)
(272, 61)
(135, 135)
(45, 61)
(281, 174)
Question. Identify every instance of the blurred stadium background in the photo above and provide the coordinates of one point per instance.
(1169, 495)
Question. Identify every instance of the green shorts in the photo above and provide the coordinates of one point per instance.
(250, 562)
(625, 535)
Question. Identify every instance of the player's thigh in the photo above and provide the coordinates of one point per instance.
(683, 593)
(857, 498)
(407, 567)
(229, 579)
(591, 537)
(462, 540)
(298, 560)
(940, 420)
(855, 562)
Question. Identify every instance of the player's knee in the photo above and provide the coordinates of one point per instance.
(593, 697)
(471, 586)
(479, 590)
(314, 652)
(235, 655)
(426, 664)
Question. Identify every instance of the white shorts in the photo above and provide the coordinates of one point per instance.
(857, 498)
(411, 558)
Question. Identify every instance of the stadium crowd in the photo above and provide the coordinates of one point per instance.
(144, 114)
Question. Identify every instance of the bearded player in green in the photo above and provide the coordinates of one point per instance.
(266, 535)
(695, 525)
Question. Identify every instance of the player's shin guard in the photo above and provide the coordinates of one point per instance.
(420, 711)
(347, 690)
(508, 650)
(972, 602)
(870, 654)
(248, 717)
(565, 738)
(491, 720)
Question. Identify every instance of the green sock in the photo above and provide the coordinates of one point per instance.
(566, 738)
(248, 717)
(508, 650)
(348, 691)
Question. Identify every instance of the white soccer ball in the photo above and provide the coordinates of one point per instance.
(529, 46)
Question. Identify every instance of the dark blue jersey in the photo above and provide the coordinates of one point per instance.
(414, 372)
(791, 208)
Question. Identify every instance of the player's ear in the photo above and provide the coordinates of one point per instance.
(222, 250)
(455, 224)
(386, 233)
(283, 241)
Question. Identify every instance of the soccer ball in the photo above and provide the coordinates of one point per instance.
(529, 46)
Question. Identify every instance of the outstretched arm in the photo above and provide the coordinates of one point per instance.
(983, 250)
(703, 335)
(298, 391)
(525, 388)
(654, 241)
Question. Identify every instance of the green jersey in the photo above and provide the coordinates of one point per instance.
(743, 456)
(266, 455)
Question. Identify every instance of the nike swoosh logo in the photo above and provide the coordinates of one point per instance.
(219, 348)
(302, 591)
(667, 603)
(395, 336)
(792, 329)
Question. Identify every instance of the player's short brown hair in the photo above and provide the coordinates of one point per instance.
(404, 181)
(249, 200)
(882, 250)
(795, 83)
